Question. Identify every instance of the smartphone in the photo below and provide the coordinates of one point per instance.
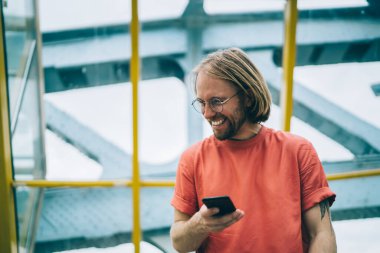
(224, 203)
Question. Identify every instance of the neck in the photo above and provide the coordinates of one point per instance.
(250, 133)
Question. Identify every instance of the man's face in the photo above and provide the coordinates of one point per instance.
(231, 121)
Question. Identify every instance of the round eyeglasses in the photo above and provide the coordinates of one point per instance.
(216, 104)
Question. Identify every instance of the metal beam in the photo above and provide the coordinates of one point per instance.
(193, 8)
(67, 70)
(340, 125)
(60, 79)
(357, 164)
(116, 162)
(193, 16)
(333, 53)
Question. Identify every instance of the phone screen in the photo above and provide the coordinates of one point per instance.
(224, 203)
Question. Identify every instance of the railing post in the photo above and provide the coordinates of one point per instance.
(288, 63)
(135, 76)
(8, 232)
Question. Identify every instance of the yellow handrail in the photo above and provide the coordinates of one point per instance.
(148, 183)
(81, 184)
(288, 62)
(8, 237)
(135, 76)
(157, 183)
(152, 183)
(353, 174)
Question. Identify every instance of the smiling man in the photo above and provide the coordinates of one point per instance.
(275, 179)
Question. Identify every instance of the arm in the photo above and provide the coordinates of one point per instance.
(188, 233)
(320, 229)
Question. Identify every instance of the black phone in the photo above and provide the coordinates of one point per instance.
(224, 203)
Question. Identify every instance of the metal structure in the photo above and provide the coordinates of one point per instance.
(288, 63)
(176, 60)
(8, 239)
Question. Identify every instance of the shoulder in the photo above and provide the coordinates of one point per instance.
(297, 147)
(287, 140)
(193, 152)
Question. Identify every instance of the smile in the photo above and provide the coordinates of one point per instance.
(218, 123)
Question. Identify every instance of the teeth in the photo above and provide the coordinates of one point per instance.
(217, 123)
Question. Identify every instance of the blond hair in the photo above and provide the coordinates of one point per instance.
(233, 65)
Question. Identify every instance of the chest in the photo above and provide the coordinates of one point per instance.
(247, 174)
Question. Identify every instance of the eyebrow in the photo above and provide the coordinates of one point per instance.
(219, 98)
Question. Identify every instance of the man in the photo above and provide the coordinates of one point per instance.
(275, 179)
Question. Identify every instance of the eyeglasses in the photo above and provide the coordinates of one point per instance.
(216, 104)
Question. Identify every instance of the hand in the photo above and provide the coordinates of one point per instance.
(208, 223)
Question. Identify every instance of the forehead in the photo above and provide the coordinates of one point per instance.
(207, 86)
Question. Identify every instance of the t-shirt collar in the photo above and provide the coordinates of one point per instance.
(242, 143)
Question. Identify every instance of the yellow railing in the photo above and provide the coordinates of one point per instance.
(85, 184)
(354, 174)
(288, 63)
(135, 77)
(151, 183)
(8, 236)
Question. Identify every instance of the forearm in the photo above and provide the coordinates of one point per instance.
(187, 236)
(323, 242)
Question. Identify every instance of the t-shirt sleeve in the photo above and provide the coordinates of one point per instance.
(314, 185)
(185, 197)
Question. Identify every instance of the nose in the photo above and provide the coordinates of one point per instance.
(208, 112)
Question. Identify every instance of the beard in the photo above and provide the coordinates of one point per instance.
(234, 123)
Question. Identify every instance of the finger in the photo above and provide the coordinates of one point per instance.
(208, 212)
(223, 222)
(221, 226)
(237, 214)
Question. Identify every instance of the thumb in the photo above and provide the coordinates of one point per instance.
(208, 212)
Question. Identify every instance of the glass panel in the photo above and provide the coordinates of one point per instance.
(150, 10)
(341, 68)
(329, 4)
(103, 131)
(242, 6)
(336, 78)
(20, 45)
(25, 113)
(80, 218)
(357, 235)
(28, 160)
(156, 221)
(93, 50)
(101, 13)
(28, 202)
(245, 6)
(28, 157)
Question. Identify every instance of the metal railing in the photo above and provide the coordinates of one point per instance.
(288, 63)
(353, 174)
(147, 183)
(129, 183)
(8, 238)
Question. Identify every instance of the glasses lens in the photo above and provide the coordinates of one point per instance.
(216, 105)
(197, 106)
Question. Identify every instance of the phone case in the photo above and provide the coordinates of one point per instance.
(224, 203)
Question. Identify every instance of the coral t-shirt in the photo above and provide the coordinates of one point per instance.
(273, 177)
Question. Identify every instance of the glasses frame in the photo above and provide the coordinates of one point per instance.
(203, 103)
